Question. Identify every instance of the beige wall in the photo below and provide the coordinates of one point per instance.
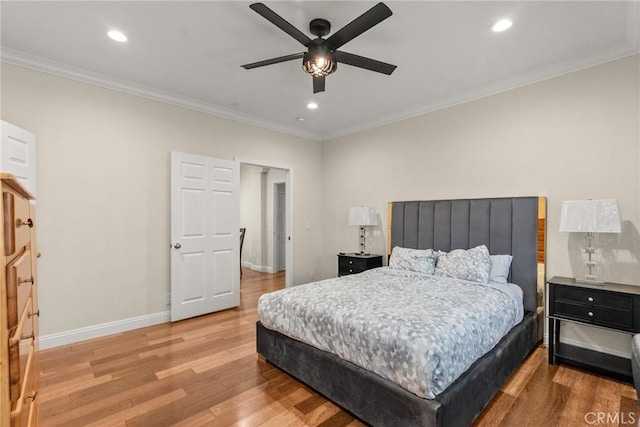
(103, 178)
(571, 137)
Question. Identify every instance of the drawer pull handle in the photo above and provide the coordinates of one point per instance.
(37, 313)
(32, 396)
(350, 262)
(350, 271)
(28, 222)
(590, 314)
(590, 299)
(26, 280)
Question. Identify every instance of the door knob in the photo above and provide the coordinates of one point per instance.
(177, 246)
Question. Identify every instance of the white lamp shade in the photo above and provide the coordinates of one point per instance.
(590, 216)
(362, 215)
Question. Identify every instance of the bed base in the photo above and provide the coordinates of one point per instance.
(380, 402)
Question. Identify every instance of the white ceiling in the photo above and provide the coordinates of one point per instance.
(189, 53)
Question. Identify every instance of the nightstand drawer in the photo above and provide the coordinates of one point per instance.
(594, 298)
(348, 263)
(353, 263)
(602, 316)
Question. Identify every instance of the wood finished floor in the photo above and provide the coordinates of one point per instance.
(205, 371)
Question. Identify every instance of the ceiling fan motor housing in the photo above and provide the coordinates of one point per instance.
(320, 27)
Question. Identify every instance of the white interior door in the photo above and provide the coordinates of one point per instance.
(205, 262)
(18, 155)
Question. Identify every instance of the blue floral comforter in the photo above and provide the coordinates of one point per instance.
(417, 330)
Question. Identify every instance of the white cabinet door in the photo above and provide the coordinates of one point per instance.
(18, 155)
(205, 235)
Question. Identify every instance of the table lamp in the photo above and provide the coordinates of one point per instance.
(590, 216)
(362, 216)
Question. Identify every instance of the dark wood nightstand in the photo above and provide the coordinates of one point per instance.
(610, 306)
(352, 263)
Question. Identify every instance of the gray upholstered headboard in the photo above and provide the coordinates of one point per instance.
(504, 225)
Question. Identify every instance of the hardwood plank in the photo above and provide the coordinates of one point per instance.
(321, 414)
(205, 372)
(540, 402)
(273, 409)
(629, 411)
(143, 346)
(582, 400)
(71, 418)
(116, 418)
(495, 412)
(629, 391)
(591, 394)
(202, 393)
(244, 404)
(310, 404)
(71, 412)
(340, 419)
(203, 418)
(520, 378)
(174, 350)
(566, 376)
(65, 388)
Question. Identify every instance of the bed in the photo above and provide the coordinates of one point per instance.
(505, 226)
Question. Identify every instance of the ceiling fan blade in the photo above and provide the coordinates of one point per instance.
(273, 61)
(362, 23)
(279, 22)
(363, 62)
(318, 84)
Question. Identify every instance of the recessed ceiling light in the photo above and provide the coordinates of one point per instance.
(312, 106)
(117, 36)
(501, 25)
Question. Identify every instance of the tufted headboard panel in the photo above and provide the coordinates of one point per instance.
(506, 225)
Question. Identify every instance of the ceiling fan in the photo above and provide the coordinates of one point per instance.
(322, 55)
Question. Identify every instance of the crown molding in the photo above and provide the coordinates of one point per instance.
(37, 63)
(44, 65)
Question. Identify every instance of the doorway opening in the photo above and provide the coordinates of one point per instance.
(265, 212)
(279, 226)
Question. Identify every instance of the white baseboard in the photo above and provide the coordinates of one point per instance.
(590, 346)
(258, 268)
(102, 330)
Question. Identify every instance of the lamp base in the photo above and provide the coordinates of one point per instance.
(590, 280)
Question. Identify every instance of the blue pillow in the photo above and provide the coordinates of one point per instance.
(500, 265)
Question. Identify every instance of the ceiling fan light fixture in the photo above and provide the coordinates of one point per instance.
(319, 61)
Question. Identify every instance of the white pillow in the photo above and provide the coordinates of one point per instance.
(420, 260)
(500, 265)
(472, 264)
